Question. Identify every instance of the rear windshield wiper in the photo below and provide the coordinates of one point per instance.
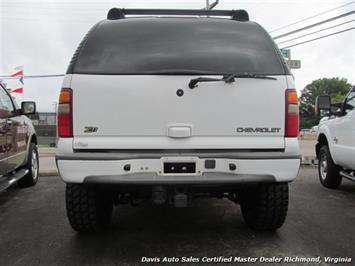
(228, 78)
(193, 82)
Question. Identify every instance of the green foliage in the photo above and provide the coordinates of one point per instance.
(336, 88)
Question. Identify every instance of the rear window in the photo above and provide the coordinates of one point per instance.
(177, 46)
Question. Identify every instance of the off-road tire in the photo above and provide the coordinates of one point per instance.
(32, 165)
(265, 207)
(331, 178)
(89, 209)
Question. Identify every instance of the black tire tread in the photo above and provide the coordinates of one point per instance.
(88, 209)
(27, 180)
(265, 207)
(333, 178)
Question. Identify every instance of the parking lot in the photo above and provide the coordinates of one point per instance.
(203, 132)
(35, 230)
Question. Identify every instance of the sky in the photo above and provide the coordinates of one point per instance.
(43, 35)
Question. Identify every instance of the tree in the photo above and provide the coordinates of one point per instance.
(336, 88)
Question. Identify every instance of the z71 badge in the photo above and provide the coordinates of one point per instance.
(90, 129)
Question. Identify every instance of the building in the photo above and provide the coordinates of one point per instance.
(46, 127)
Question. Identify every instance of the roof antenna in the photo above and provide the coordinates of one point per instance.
(210, 6)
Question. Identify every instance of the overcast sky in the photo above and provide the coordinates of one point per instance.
(42, 36)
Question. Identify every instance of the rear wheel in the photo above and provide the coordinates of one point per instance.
(32, 165)
(265, 207)
(328, 171)
(89, 209)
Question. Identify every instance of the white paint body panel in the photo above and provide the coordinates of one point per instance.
(156, 142)
(76, 171)
(340, 134)
(144, 112)
(65, 147)
(135, 112)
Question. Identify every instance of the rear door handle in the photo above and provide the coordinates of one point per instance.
(179, 131)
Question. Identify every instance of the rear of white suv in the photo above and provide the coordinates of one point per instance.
(171, 107)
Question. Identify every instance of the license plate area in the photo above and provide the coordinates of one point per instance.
(176, 168)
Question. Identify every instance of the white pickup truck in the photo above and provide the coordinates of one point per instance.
(335, 147)
(174, 107)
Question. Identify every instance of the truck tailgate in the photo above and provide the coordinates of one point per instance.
(146, 112)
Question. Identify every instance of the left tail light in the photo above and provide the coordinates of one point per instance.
(65, 114)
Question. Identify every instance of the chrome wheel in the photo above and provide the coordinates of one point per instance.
(323, 166)
(34, 165)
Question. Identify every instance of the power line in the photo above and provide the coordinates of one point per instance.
(296, 22)
(289, 46)
(61, 6)
(338, 32)
(315, 24)
(316, 31)
(280, 36)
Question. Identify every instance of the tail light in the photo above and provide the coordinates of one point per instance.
(292, 114)
(65, 113)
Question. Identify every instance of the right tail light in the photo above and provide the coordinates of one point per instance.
(292, 121)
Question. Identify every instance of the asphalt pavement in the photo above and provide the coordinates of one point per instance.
(35, 230)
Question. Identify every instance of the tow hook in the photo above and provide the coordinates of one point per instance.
(180, 200)
(159, 195)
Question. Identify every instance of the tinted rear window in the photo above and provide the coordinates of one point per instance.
(177, 46)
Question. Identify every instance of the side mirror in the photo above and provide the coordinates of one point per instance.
(323, 103)
(28, 108)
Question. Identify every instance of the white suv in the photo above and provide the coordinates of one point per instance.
(173, 107)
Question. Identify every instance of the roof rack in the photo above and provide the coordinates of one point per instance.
(120, 13)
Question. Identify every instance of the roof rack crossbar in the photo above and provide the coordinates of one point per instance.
(119, 13)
